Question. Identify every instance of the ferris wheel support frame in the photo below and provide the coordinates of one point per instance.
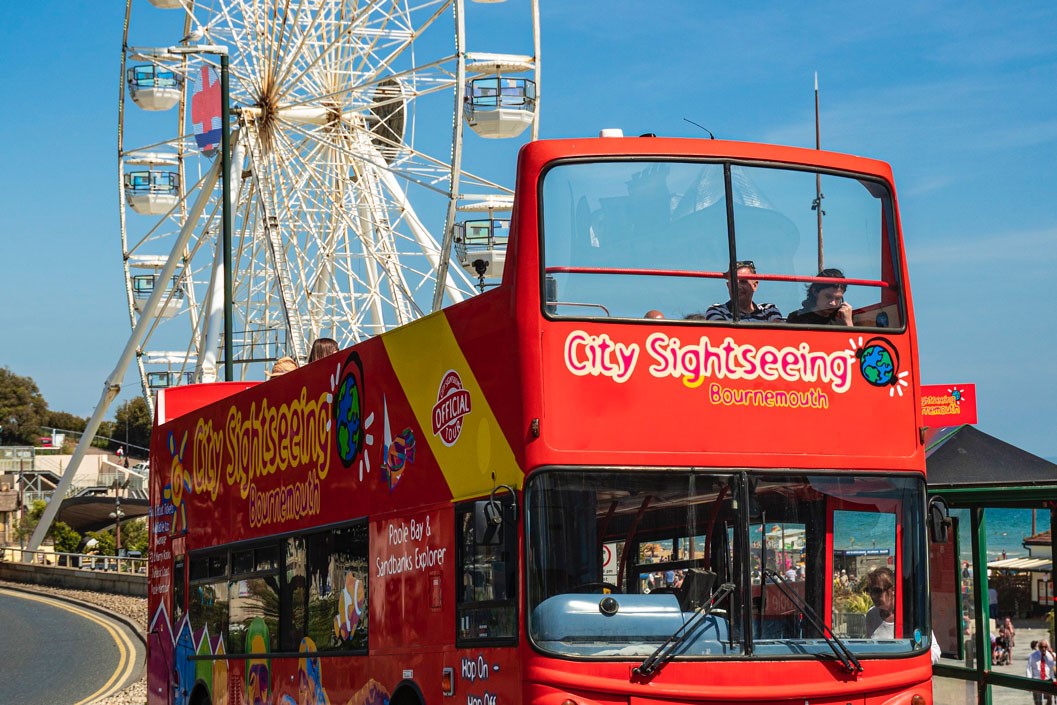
(225, 187)
(220, 295)
(457, 131)
(112, 385)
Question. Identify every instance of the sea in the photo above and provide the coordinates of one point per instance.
(1006, 531)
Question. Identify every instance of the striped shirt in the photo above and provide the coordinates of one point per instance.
(765, 313)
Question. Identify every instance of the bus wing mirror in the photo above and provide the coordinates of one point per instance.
(939, 520)
(487, 518)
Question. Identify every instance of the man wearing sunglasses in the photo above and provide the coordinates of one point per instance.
(747, 310)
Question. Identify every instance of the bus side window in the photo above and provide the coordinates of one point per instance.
(338, 598)
(179, 606)
(486, 595)
(208, 591)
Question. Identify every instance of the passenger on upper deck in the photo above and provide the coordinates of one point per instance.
(825, 304)
(747, 310)
(322, 347)
(283, 365)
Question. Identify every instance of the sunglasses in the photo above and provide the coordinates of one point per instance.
(745, 263)
(877, 591)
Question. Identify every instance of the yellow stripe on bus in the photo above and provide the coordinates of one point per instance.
(421, 354)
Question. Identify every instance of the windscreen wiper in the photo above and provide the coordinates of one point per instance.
(665, 651)
(846, 656)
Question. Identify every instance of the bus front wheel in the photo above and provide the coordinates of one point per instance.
(406, 694)
(200, 696)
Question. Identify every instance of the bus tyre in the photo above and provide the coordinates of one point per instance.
(406, 695)
(200, 696)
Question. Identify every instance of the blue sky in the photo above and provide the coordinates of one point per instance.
(960, 97)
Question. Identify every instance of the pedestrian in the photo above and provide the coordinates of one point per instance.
(1040, 667)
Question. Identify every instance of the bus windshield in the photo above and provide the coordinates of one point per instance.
(618, 561)
(622, 237)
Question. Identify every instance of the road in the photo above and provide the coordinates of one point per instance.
(56, 652)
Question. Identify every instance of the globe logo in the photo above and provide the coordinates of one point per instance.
(348, 412)
(877, 363)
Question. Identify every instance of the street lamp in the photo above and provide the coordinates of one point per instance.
(225, 175)
(116, 516)
(21, 500)
(128, 412)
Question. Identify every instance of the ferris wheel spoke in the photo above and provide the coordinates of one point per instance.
(377, 217)
(335, 43)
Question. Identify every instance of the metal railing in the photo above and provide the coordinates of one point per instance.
(77, 561)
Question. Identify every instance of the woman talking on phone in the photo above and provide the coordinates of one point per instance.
(825, 304)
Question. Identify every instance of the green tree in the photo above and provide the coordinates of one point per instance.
(62, 535)
(65, 538)
(134, 421)
(65, 421)
(22, 408)
(134, 536)
(104, 432)
(104, 542)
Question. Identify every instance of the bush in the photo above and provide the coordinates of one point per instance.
(858, 603)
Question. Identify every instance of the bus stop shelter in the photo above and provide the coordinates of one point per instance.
(979, 476)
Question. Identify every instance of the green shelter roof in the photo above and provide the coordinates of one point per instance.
(963, 457)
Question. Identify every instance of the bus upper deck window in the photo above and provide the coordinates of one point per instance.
(621, 238)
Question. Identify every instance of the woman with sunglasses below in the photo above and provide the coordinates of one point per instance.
(880, 619)
(825, 303)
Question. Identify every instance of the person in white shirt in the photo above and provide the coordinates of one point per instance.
(1040, 667)
(881, 618)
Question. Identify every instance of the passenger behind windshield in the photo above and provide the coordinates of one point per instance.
(747, 309)
(825, 304)
(881, 587)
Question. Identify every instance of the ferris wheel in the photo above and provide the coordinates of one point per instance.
(352, 205)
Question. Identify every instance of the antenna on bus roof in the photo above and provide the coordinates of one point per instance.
(701, 126)
(816, 205)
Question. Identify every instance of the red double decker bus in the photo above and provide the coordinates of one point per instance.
(623, 475)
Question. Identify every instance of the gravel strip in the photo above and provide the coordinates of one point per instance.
(134, 608)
